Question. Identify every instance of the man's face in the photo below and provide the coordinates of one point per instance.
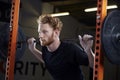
(46, 34)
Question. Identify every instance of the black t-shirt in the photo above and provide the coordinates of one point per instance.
(64, 63)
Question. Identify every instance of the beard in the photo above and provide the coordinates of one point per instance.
(47, 42)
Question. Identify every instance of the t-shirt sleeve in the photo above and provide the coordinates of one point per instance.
(80, 55)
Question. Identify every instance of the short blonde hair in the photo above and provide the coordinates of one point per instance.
(54, 22)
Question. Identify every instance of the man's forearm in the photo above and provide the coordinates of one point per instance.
(38, 54)
(90, 57)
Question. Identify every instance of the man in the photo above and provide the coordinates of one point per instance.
(61, 58)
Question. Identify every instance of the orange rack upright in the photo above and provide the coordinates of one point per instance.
(98, 61)
(12, 40)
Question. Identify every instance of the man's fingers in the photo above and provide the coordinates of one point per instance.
(81, 40)
(31, 40)
(79, 36)
(87, 37)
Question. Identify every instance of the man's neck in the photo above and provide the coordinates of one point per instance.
(54, 46)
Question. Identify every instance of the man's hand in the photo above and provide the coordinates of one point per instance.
(31, 43)
(86, 41)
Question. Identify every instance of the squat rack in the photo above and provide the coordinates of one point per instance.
(98, 61)
(12, 40)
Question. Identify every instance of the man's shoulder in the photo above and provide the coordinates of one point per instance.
(72, 45)
(65, 42)
(69, 43)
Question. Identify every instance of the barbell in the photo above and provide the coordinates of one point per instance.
(110, 38)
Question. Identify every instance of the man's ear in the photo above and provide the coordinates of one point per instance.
(57, 32)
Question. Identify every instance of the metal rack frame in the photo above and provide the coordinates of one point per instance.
(98, 61)
(12, 40)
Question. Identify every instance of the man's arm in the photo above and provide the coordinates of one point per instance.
(87, 43)
(32, 48)
(90, 57)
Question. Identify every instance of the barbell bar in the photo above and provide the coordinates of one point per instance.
(110, 38)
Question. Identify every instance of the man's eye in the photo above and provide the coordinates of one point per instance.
(44, 31)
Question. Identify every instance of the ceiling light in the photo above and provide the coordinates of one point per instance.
(95, 8)
(60, 14)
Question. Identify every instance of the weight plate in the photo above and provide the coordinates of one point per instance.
(110, 36)
(4, 40)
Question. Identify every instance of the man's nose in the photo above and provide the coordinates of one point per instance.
(40, 35)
